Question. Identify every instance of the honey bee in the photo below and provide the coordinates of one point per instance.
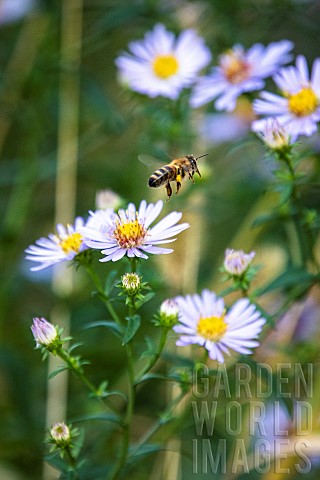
(175, 171)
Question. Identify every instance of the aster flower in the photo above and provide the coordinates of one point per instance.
(240, 71)
(128, 232)
(161, 65)
(236, 262)
(298, 110)
(108, 199)
(204, 321)
(59, 247)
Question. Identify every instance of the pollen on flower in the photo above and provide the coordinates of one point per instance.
(234, 66)
(304, 102)
(212, 328)
(72, 243)
(131, 234)
(165, 66)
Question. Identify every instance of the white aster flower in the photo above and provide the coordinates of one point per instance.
(240, 71)
(204, 321)
(161, 65)
(128, 232)
(108, 199)
(59, 247)
(298, 110)
(236, 262)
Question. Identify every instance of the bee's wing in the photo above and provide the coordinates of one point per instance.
(151, 161)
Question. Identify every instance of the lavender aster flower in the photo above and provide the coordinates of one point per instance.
(240, 71)
(128, 232)
(204, 321)
(298, 110)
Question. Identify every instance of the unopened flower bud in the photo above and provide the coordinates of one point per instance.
(236, 262)
(131, 283)
(44, 333)
(60, 434)
(274, 135)
(168, 315)
(108, 199)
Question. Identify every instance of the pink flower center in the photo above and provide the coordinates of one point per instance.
(235, 67)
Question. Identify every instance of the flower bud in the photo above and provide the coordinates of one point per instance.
(108, 199)
(168, 314)
(274, 135)
(60, 434)
(236, 262)
(44, 333)
(131, 283)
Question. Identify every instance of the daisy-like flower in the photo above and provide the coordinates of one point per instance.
(128, 232)
(298, 110)
(236, 262)
(240, 71)
(161, 65)
(204, 321)
(59, 247)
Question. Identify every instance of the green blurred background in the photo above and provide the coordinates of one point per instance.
(67, 130)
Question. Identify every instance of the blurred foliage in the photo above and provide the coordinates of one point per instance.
(112, 133)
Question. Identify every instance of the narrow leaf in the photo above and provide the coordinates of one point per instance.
(133, 326)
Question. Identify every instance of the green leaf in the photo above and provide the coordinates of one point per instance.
(57, 371)
(144, 299)
(290, 278)
(105, 417)
(113, 326)
(110, 282)
(145, 450)
(151, 348)
(133, 326)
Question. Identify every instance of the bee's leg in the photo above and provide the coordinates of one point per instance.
(198, 172)
(169, 190)
(178, 182)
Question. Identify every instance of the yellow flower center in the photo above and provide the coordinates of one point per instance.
(234, 66)
(303, 103)
(72, 243)
(130, 234)
(212, 328)
(164, 66)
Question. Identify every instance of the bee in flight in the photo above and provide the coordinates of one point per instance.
(175, 171)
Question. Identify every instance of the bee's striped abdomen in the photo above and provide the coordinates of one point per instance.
(161, 176)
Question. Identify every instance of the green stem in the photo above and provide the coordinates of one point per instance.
(165, 416)
(156, 355)
(73, 364)
(303, 236)
(96, 280)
